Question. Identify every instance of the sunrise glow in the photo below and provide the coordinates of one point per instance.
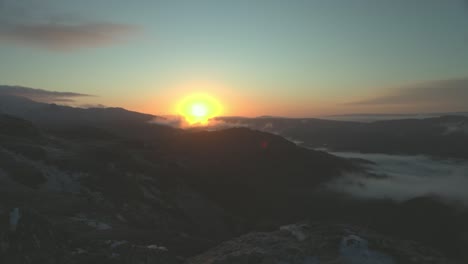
(198, 109)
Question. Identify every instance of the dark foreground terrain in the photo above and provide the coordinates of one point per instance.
(107, 186)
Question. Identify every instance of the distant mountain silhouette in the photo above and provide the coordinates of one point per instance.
(52, 113)
(444, 136)
(72, 120)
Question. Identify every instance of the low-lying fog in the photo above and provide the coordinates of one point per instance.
(405, 177)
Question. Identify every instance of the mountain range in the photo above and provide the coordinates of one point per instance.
(442, 137)
(107, 185)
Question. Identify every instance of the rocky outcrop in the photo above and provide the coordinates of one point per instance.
(318, 243)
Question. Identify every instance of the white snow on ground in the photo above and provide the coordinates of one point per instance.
(157, 247)
(148, 192)
(92, 223)
(296, 231)
(295, 141)
(56, 179)
(311, 260)
(451, 128)
(355, 250)
(121, 218)
(116, 243)
(79, 251)
(15, 217)
(100, 225)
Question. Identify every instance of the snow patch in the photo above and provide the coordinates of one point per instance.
(60, 181)
(148, 192)
(355, 250)
(100, 226)
(295, 141)
(458, 127)
(92, 223)
(115, 243)
(296, 230)
(56, 179)
(78, 251)
(156, 247)
(311, 260)
(15, 217)
(121, 218)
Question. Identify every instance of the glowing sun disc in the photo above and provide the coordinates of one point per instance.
(199, 108)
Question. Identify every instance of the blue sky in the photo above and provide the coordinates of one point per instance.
(292, 58)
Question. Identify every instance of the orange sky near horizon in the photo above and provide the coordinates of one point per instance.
(239, 100)
(232, 101)
(235, 104)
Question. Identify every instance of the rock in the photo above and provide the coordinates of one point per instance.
(318, 243)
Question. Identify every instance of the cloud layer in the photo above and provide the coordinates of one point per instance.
(40, 95)
(66, 37)
(405, 177)
(441, 92)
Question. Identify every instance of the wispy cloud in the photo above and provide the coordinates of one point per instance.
(440, 92)
(64, 37)
(31, 24)
(40, 95)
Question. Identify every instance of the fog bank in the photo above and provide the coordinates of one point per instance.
(405, 177)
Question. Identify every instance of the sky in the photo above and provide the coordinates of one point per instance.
(257, 57)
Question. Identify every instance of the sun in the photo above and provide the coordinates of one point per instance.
(198, 109)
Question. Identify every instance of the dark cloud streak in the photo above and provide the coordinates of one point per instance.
(31, 24)
(441, 92)
(64, 37)
(40, 95)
